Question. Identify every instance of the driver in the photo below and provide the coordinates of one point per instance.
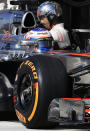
(49, 14)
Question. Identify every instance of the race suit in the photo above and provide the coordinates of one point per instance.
(60, 34)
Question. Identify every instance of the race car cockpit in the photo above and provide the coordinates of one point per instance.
(22, 20)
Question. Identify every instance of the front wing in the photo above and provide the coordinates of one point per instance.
(70, 110)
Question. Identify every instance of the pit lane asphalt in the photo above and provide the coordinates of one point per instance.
(9, 122)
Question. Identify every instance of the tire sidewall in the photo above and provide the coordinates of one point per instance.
(48, 89)
(20, 112)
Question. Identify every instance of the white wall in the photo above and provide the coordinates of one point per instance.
(6, 4)
(2, 6)
(11, 6)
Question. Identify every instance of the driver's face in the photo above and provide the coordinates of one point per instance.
(44, 21)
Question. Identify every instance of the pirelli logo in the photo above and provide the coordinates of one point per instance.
(31, 65)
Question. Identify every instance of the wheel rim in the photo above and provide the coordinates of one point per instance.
(26, 91)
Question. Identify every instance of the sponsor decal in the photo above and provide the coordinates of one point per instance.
(31, 65)
(6, 36)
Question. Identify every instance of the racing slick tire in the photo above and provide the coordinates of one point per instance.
(39, 80)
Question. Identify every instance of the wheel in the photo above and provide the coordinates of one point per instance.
(39, 80)
(6, 94)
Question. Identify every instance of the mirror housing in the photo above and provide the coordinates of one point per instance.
(28, 20)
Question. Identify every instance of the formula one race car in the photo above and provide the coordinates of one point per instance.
(46, 86)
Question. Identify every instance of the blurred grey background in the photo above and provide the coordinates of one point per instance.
(6, 4)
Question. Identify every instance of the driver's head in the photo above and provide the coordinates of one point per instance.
(48, 13)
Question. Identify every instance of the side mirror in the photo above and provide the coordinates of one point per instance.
(28, 20)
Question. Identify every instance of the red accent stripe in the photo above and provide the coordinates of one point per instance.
(72, 98)
(75, 54)
(77, 98)
(86, 117)
(14, 99)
